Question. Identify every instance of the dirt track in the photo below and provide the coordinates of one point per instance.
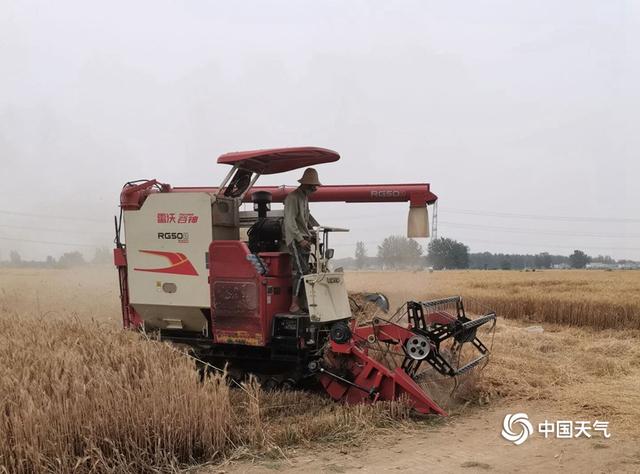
(471, 443)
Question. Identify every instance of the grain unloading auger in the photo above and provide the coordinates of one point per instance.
(199, 271)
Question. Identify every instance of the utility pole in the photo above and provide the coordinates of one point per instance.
(434, 222)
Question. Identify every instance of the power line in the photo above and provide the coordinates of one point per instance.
(43, 229)
(540, 217)
(627, 220)
(354, 244)
(69, 244)
(46, 216)
(483, 227)
(519, 230)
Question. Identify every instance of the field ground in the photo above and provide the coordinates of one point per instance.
(468, 443)
(586, 368)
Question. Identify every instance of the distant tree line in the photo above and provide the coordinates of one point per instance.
(397, 252)
(488, 260)
(66, 260)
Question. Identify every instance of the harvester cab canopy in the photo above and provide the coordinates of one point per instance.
(278, 160)
(249, 165)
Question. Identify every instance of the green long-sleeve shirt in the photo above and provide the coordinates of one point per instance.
(296, 217)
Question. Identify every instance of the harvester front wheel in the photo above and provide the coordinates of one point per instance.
(340, 332)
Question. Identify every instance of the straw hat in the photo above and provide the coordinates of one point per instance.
(310, 176)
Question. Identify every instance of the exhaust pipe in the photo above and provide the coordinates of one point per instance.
(418, 222)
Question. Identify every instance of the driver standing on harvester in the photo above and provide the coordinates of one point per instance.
(297, 231)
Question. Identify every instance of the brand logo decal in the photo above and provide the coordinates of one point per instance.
(179, 263)
(176, 218)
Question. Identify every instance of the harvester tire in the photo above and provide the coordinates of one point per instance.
(340, 332)
(288, 385)
(270, 385)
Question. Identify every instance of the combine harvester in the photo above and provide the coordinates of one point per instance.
(197, 270)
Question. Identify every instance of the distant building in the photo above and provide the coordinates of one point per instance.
(561, 266)
(601, 266)
(629, 266)
(613, 266)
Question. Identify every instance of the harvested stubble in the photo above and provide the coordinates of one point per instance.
(583, 371)
(575, 368)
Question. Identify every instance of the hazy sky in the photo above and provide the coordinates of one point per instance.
(524, 116)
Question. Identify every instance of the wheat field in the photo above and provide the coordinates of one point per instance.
(78, 394)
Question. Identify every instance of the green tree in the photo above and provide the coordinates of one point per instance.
(448, 253)
(397, 251)
(71, 259)
(542, 260)
(604, 259)
(579, 259)
(361, 255)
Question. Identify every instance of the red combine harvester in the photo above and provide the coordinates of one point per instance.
(197, 270)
